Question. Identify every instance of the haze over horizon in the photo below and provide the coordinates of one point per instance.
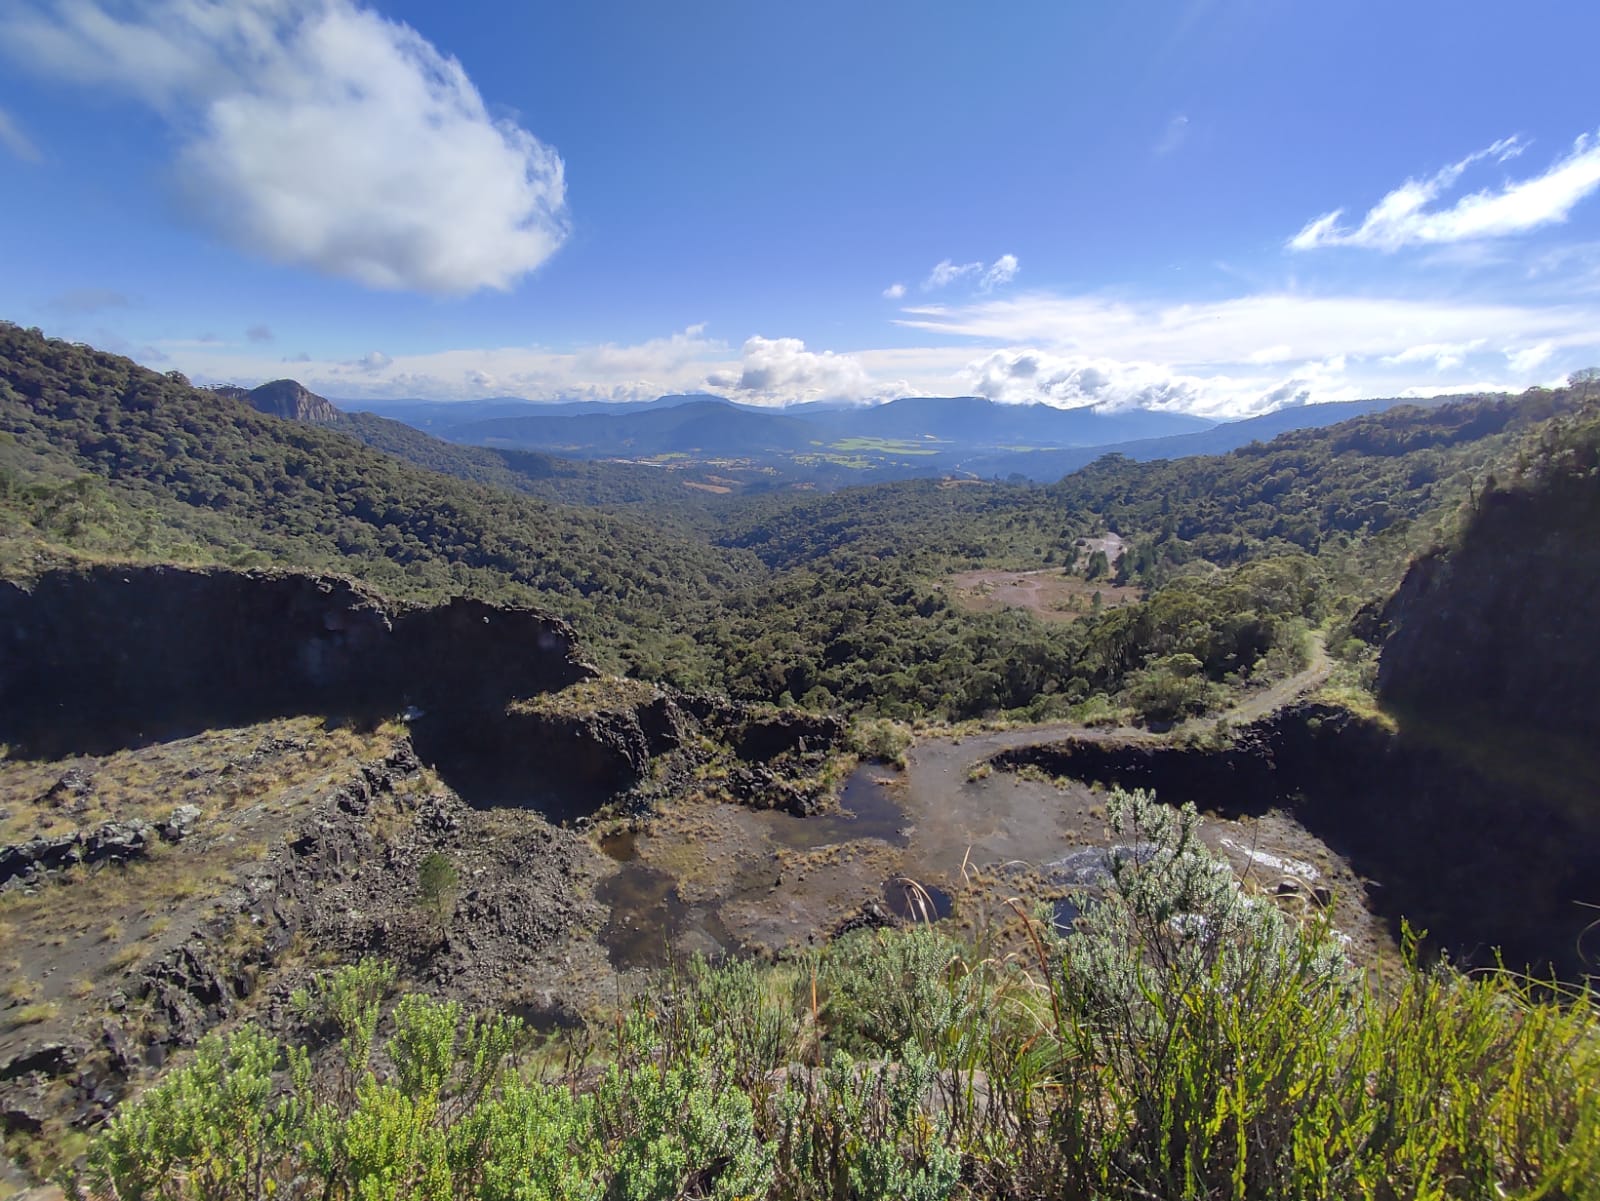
(1219, 209)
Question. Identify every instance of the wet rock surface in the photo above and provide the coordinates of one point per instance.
(1404, 810)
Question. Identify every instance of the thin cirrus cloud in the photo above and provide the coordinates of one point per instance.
(80, 302)
(946, 272)
(14, 140)
(320, 134)
(1413, 215)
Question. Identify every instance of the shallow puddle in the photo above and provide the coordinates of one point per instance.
(914, 902)
(935, 842)
(650, 923)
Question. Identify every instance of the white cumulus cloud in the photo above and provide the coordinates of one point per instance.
(1411, 214)
(894, 291)
(321, 134)
(782, 370)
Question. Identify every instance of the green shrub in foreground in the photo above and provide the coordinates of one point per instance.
(1187, 1041)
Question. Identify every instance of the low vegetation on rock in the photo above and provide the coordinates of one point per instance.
(1184, 1040)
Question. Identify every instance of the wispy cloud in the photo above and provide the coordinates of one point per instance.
(259, 333)
(1172, 136)
(1444, 356)
(1410, 215)
(14, 140)
(946, 272)
(1002, 271)
(894, 291)
(319, 133)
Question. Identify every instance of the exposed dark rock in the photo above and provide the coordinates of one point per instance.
(1504, 622)
(72, 791)
(46, 1059)
(873, 915)
(104, 657)
(21, 1113)
(115, 842)
(1478, 862)
(768, 736)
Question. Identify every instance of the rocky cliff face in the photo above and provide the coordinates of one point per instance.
(97, 658)
(1477, 860)
(1507, 623)
(290, 399)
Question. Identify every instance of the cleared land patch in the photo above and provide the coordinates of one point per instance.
(1051, 593)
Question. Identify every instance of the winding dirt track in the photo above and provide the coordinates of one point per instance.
(929, 762)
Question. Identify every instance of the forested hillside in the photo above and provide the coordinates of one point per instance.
(825, 599)
(105, 458)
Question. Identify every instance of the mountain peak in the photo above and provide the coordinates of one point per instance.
(293, 400)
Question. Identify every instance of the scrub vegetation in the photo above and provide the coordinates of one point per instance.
(1186, 1040)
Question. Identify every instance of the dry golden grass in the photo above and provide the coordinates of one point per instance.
(219, 771)
(19, 988)
(588, 696)
(127, 957)
(32, 1015)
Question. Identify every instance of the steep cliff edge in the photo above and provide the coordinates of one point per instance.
(1507, 622)
(293, 400)
(105, 656)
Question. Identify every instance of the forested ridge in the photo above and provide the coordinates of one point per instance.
(106, 458)
(824, 599)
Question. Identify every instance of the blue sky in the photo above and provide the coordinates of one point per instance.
(1209, 206)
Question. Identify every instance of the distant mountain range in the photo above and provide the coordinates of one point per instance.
(912, 436)
(710, 425)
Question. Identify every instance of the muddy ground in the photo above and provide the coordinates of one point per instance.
(721, 878)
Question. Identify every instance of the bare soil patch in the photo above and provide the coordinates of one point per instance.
(1051, 594)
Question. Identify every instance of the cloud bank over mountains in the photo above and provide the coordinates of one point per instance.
(1230, 358)
(318, 133)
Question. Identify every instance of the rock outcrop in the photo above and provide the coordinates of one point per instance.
(292, 400)
(1478, 860)
(108, 842)
(106, 656)
(1505, 622)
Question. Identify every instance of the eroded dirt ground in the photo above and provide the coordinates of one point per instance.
(1051, 594)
